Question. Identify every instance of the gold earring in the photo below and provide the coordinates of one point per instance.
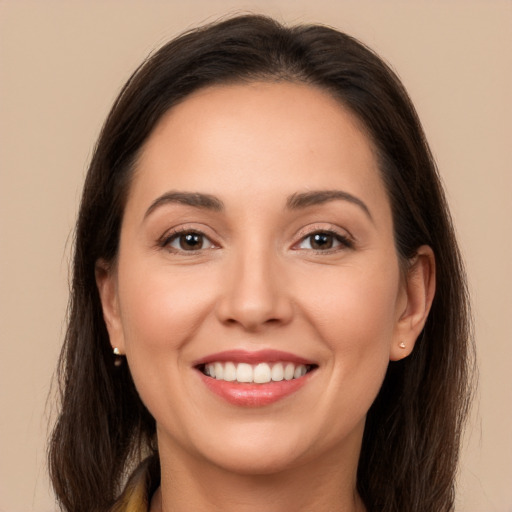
(402, 345)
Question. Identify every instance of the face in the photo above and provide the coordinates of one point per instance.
(257, 293)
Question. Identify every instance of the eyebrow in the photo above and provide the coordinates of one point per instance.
(318, 197)
(296, 201)
(195, 199)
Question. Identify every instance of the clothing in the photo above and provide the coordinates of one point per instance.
(140, 487)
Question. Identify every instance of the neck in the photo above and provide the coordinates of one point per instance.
(193, 484)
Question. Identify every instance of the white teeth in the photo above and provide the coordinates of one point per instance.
(289, 371)
(261, 373)
(244, 373)
(229, 372)
(219, 371)
(299, 371)
(277, 372)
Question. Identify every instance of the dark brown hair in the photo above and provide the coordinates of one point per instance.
(412, 436)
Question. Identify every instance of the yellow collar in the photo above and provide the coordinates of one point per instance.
(139, 488)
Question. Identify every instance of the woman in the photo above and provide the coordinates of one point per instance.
(269, 307)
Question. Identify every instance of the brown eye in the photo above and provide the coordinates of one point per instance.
(324, 241)
(188, 241)
(321, 241)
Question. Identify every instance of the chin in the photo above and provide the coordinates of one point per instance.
(253, 460)
(265, 448)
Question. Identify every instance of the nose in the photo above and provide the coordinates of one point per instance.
(254, 293)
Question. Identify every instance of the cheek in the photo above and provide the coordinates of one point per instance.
(356, 321)
(352, 312)
(160, 310)
(354, 308)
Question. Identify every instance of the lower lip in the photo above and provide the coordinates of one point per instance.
(254, 395)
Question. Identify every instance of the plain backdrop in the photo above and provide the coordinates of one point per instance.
(61, 66)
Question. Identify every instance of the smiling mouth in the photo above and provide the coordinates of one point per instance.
(261, 373)
(254, 379)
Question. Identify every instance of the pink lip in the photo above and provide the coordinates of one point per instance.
(253, 395)
(259, 356)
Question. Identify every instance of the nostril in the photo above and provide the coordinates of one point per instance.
(253, 299)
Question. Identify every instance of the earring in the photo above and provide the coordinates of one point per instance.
(118, 361)
(402, 345)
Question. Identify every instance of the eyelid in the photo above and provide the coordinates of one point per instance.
(175, 232)
(343, 235)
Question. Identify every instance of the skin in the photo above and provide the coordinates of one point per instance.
(258, 283)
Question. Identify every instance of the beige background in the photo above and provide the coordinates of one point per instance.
(61, 65)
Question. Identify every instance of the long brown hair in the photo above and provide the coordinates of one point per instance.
(412, 436)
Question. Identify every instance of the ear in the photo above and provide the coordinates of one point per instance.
(419, 290)
(106, 281)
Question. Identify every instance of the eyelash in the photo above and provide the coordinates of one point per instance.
(175, 235)
(344, 241)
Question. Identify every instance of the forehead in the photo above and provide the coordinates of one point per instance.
(259, 138)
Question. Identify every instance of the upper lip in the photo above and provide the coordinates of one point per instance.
(252, 357)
